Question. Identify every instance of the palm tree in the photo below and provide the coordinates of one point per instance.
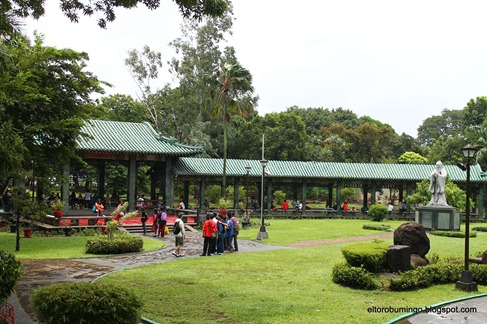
(233, 95)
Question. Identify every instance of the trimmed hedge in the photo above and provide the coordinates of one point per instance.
(377, 212)
(117, 245)
(453, 234)
(81, 302)
(423, 277)
(377, 227)
(353, 277)
(10, 272)
(479, 229)
(369, 255)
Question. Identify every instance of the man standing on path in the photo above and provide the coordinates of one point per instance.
(179, 233)
(209, 230)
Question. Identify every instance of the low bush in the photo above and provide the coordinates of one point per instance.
(10, 271)
(119, 244)
(81, 302)
(377, 227)
(479, 229)
(377, 212)
(353, 277)
(369, 255)
(423, 277)
(453, 234)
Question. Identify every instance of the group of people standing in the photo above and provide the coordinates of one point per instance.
(220, 233)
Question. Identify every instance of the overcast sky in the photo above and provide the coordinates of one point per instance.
(397, 61)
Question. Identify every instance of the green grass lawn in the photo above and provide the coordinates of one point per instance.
(58, 247)
(285, 231)
(284, 286)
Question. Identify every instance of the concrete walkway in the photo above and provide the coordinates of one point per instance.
(471, 310)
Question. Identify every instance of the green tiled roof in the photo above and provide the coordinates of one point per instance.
(321, 170)
(126, 137)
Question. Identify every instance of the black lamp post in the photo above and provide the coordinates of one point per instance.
(466, 280)
(247, 192)
(262, 232)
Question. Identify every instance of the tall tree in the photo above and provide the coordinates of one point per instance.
(285, 138)
(105, 9)
(45, 93)
(448, 124)
(233, 96)
(121, 107)
(475, 112)
(144, 68)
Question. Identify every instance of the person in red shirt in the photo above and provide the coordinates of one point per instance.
(209, 235)
(285, 205)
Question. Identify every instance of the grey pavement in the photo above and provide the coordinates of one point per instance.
(471, 310)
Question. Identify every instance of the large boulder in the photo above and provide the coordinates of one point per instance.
(413, 234)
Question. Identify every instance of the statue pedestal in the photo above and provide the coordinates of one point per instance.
(432, 217)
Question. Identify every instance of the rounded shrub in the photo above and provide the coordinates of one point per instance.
(369, 255)
(353, 277)
(81, 302)
(377, 212)
(10, 271)
(117, 245)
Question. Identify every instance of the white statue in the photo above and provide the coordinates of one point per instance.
(437, 185)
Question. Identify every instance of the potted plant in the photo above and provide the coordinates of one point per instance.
(58, 208)
(27, 229)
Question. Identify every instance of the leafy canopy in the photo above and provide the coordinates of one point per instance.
(105, 9)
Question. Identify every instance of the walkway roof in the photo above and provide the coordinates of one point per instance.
(188, 166)
(125, 137)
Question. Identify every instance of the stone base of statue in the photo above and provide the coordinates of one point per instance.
(432, 217)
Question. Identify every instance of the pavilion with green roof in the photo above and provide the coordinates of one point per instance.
(133, 143)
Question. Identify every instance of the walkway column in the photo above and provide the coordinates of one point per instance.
(236, 185)
(373, 190)
(408, 193)
(329, 203)
(303, 193)
(480, 202)
(65, 186)
(202, 192)
(338, 196)
(132, 181)
(100, 177)
(365, 189)
(269, 195)
(169, 184)
(186, 193)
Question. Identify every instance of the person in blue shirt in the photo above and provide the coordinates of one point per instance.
(228, 234)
